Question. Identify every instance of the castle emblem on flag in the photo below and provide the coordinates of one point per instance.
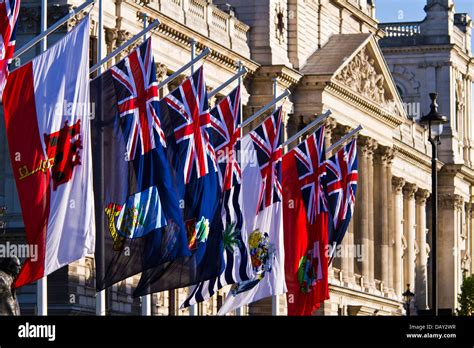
(64, 147)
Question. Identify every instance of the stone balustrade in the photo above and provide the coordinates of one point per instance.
(207, 19)
(405, 29)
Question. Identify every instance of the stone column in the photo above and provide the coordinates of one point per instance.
(409, 233)
(348, 254)
(329, 127)
(397, 197)
(381, 199)
(370, 171)
(422, 259)
(363, 203)
(362, 211)
(391, 227)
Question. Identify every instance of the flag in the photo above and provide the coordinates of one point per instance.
(47, 112)
(226, 131)
(9, 10)
(186, 122)
(305, 218)
(262, 212)
(341, 181)
(143, 223)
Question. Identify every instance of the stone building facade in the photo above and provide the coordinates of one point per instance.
(332, 54)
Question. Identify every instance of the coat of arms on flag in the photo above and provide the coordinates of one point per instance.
(262, 215)
(54, 175)
(143, 221)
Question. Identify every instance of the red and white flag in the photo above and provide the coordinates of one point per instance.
(47, 120)
(8, 16)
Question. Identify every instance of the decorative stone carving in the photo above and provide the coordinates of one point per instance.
(176, 82)
(361, 76)
(28, 20)
(89, 272)
(385, 155)
(76, 19)
(111, 35)
(280, 25)
(450, 201)
(161, 71)
(397, 184)
(367, 146)
(409, 190)
(421, 196)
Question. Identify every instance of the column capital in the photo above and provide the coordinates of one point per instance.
(330, 124)
(422, 195)
(397, 184)
(385, 154)
(409, 190)
(451, 201)
(468, 207)
(111, 35)
(367, 145)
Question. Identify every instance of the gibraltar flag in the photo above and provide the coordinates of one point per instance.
(47, 113)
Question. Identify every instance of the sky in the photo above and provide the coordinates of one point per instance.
(412, 10)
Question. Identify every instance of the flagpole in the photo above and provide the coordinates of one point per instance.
(256, 115)
(344, 139)
(146, 300)
(192, 308)
(100, 252)
(115, 52)
(310, 126)
(185, 67)
(242, 70)
(53, 28)
(275, 302)
(42, 284)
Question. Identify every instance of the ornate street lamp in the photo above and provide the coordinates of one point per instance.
(408, 297)
(434, 120)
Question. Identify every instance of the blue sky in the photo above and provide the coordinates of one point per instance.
(412, 10)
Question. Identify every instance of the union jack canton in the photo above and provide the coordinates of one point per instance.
(341, 189)
(8, 22)
(267, 139)
(190, 102)
(137, 75)
(311, 165)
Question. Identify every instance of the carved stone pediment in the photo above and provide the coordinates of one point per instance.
(363, 76)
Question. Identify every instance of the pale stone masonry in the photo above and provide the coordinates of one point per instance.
(331, 54)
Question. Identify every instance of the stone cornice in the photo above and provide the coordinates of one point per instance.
(375, 111)
(419, 48)
(286, 76)
(361, 295)
(414, 156)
